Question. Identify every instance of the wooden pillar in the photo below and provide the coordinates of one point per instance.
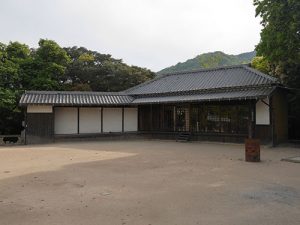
(78, 120)
(123, 119)
(174, 119)
(101, 119)
(151, 118)
(163, 117)
(251, 125)
(272, 114)
(188, 118)
(138, 117)
(254, 118)
(53, 123)
(25, 126)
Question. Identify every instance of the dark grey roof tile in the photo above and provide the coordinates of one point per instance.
(257, 93)
(74, 98)
(224, 77)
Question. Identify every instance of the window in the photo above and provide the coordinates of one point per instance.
(209, 118)
(169, 118)
(182, 118)
(213, 118)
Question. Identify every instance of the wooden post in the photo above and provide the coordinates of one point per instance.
(123, 119)
(151, 118)
(138, 117)
(189, 118)
(174, 115)
(101, 119)
(78, 119)
(25, 126)
(163, 117)
(250, 120)
(53, 123)
(252, 146)
(272, 114)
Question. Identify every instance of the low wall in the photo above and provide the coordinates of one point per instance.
(11, 140)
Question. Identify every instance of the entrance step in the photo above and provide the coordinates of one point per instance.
(185, 136)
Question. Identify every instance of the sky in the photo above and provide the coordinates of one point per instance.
(148, 33)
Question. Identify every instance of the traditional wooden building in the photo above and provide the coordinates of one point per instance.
(221, 104)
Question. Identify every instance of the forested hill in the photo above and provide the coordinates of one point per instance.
(210, 60)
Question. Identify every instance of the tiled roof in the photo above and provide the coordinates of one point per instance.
(226, 83)
(254, 93)
(65, 98)
(205, 79)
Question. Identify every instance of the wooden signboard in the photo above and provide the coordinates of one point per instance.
(252, 150)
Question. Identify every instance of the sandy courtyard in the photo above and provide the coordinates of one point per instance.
(147, 182)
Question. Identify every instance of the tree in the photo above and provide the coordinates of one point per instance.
(280, 46)
(50, 67)
(91, 70)
(16, 51)
(51, 61)
(280, 38)
(25, 69)
(11, 57)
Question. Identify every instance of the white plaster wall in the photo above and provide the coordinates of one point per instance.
(39, 109)
(65, 120)
(130, 119)
(112, 119)
(262, 113)
(89, 120)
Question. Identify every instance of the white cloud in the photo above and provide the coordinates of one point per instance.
(147, 33)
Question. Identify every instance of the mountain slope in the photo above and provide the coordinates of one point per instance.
(210, 60)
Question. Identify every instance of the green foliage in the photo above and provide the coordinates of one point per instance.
(7, 99)
(280, 46)
(210, 60)
(50, 67)
(86, 58)
(17, 51)
(261, 64)
(50, 62)
(280, 37)
(90, 70)
(50, 51)
(10, 115)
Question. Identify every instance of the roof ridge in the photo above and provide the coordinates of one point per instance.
(158, 77)
(202, 70)
(241, 66)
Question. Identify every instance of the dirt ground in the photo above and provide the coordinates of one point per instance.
(147, 182)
